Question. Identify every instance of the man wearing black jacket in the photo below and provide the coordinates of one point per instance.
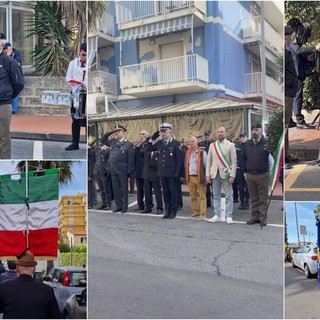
(291, 85)
(256, 162)
(11, 84)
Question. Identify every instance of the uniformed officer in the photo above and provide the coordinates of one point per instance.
(120, 163)
(102, 176)
(169, 166)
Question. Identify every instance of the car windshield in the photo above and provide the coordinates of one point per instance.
(78, 279)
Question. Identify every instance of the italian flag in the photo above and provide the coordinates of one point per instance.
(277, 165)
(29, 214)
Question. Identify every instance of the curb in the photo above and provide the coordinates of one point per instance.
(44, 136)
(304, 154)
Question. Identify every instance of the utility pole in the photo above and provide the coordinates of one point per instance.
(295, 205)
(263, 68)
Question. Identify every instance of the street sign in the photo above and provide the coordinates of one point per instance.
(303, 230)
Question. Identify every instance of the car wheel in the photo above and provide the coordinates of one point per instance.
(307, 271)
(292, 263)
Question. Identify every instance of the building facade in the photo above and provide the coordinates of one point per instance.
(166, 54)
(73, 219)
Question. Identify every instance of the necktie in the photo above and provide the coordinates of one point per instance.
(255, 141)
(83, 65)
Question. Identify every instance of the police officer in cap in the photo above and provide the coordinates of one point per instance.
(121, 164)
(169, 166)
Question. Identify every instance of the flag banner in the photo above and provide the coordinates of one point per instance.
(29, 220)
(277, 165)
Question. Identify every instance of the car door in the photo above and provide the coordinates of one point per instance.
(298, 257)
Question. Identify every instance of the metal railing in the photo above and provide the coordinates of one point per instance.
(187, 68)
(253, 85)
(128, 11)
(101, 81)
(252, 27)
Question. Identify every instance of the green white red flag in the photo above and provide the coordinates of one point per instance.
(277, 165)
(29, 214)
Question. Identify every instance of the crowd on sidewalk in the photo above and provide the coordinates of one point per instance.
(160, 164)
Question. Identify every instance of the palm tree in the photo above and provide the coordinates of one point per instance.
(65, 173)
(60, 26)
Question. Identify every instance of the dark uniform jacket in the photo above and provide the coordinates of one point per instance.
(121, 159)
(91, 161)
(291, 78)
(150, 169)
(102, 157)
(27, 298)
(139, 160)
(8, 275)
(170, 159)
(255, 158)
(11, 79)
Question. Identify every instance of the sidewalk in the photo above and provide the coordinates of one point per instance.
(304, 144)
(36, 127)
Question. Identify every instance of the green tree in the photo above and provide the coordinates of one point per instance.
(65, 172)
(60, 28)
(275, 129)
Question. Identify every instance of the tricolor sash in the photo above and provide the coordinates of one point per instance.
(222, 158)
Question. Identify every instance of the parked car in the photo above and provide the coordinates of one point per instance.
(65, 282)
(76, 306)
(305, 258)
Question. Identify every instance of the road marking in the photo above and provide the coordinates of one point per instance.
(293, 176)
(177, 217)
(38, 150)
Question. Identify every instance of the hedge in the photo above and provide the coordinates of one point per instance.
(78, 259)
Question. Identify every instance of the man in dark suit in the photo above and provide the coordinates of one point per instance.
(152, 181)
(102, 176)
(11, 273)
(120, 163)
(169, 167)
(25, 297)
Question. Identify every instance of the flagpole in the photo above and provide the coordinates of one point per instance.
(27, 203)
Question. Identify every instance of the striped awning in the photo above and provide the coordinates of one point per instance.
(154, 29)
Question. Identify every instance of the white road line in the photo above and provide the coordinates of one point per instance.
(38, 150)
(178, 217)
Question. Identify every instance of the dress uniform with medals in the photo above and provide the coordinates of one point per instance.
(169, 168)
(120, 164)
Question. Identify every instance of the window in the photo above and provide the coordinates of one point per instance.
(19, 41)
(3, 21)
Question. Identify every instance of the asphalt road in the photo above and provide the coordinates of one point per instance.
(38, 150)
(142, 266)
(301, 295)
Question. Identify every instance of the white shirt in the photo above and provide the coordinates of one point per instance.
(75, 72)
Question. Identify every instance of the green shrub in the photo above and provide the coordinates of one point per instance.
(78, 259)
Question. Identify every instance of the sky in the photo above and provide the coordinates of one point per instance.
(78, 184)
(305, 218)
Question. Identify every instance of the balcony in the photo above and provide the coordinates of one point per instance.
(161, 77)
(251, 32)
(106, 25)
(131, 14)
(103, 82)
(253, 88)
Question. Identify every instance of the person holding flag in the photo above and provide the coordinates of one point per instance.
(221, 170)
(257, 162)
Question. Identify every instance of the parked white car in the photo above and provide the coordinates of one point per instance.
(305, 258)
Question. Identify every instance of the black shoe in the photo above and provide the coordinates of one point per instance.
(241, 207)
(235, 201)
(107, 208)
(253, 221)
(138, 209)
(246, 206)
(292, 124)
(117, 210)
(166, 216)
(123, 211)
(290, 159)
(171, 216)
(304, 125)
(179, 208)
(159, 211)
(101, 207)
(263, 224)
(72, 146)
(146, 211)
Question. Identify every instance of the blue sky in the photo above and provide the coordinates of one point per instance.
(305, 218)
(78, 184)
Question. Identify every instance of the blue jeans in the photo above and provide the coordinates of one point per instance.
(15, 104)
(217, 183)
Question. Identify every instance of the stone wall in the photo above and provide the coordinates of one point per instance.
(30, 97)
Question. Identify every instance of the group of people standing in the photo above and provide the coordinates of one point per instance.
(160, 164)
